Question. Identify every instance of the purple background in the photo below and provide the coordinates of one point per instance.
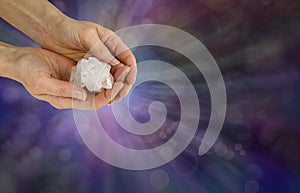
(256, 45)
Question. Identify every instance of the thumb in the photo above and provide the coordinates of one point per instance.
(61, 88)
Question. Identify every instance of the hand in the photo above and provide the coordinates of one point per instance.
(46, 74)
(76, 39)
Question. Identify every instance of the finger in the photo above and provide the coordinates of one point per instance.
(113, 42)
(59, 88)
(122, 93)
(109, 95)
(57, 102)
(93, 102)
(124, 74)
(121, 73)
(128, 77)
(90, 103)
(131, 77)
(125, 90)
(117, 99)
(115, 68)
(117, 47)
(68, 103)
(102, 53)
(127, 58)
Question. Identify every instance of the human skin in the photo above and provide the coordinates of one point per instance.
(71, 38)
(45, 75)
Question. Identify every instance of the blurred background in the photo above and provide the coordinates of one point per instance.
(256, 45)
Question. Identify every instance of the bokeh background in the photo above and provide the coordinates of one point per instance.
(256, 45)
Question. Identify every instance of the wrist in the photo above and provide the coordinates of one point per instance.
(7, 59)
(11, 60)
(37, 19)
(53, 29)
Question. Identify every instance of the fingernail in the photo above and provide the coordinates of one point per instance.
(114, 62)
(80, 95)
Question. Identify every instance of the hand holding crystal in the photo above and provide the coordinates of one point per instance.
(45, 72)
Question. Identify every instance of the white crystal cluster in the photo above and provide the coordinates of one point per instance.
(92, 74)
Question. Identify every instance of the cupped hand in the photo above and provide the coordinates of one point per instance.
(46, 74)
(77, 39)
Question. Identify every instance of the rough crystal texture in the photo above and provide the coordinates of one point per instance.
(92, 74)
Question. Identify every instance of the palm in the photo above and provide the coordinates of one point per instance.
(56, 66)
(39, 65)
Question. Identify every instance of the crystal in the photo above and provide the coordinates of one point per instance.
(92, 74)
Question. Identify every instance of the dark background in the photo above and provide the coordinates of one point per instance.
(256, 45)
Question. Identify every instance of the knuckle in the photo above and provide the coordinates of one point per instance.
(131, 79)
(109, 37)
(130, 60)
(106, 55)
(90, 31)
